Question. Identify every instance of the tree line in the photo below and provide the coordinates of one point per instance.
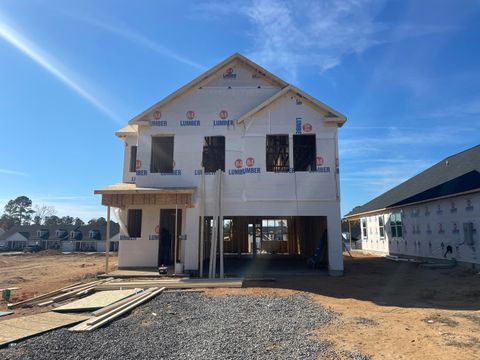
(20, 211)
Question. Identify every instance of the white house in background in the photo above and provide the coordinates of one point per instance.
(435, 214)
(276, 148)
(69, 238)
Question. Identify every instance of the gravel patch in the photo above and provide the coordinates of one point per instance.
(195, 326)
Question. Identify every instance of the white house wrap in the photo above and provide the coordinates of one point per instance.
(228, 119)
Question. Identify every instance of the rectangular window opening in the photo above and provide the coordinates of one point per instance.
(277, 153)
(133, 158)
(134, 223)
(162, 154)
(213, 157)
(304, 153)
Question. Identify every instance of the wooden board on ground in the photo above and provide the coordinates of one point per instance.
(170, 284)
(96, 301)
(5, 313)
(19, 328)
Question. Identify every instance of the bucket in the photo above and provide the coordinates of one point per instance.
(178, 268)
(6, 294)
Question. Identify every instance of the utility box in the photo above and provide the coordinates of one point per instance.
(468, 233)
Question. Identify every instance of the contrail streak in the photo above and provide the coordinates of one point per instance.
(15, 39)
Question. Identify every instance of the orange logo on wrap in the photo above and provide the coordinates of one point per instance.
(250, 161)
(238, 163)
(138, 164)
(307, 127)
(320, 161)
(190, 114)
(157, 115)
(223, 114)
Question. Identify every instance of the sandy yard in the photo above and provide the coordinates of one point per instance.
(385, 309)
(39, 273)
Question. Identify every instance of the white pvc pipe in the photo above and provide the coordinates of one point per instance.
(176, 240)
(220, 213)
(202, 221)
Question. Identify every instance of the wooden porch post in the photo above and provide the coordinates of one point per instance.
(107, 240)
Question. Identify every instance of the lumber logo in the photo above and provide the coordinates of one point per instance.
(250, 161)
(320, 161)
(138, 164)
(190, 114)
(229, 74)
(238, 163)
(307, 127)
(157, 115)
(223, 114)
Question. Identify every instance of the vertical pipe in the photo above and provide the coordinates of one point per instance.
(220, 213)
(176, 241)
(107, 240)
(202, 222)
(350, 233)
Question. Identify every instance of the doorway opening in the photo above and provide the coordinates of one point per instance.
(166, 245)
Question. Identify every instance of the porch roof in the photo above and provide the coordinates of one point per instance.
(123, 194)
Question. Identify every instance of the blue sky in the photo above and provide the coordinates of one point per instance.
(406, 74)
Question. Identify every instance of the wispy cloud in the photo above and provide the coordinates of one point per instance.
(12, 172)
(142, 40)
(290, 34)
(378, 178)
(378, 142)
(465, 109)
(51, 65)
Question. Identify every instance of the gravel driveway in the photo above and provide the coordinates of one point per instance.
(195, 326)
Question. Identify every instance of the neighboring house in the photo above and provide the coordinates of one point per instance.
(69, 238)
(435, 214)
(277, 147)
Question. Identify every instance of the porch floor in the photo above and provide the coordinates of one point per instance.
(266, 265)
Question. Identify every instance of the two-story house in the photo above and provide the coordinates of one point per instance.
(237, 147)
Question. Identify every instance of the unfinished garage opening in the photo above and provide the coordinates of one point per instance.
(279, 244)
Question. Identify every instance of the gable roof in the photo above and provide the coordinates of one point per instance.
(331, 115)
(198, 81)
(455, 174)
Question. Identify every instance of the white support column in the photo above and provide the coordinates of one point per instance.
(220, 213)
(335, 251)
(202, 222)
(107, 240)
(176, 241)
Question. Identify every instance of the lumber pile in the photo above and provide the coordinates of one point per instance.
(110, 313)
(65, 293)
(171, 284)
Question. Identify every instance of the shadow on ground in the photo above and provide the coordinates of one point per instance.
(389, 283)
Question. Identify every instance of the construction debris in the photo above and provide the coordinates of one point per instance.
(96, 301)
(96, 322)
(171, 284)
(67, 292)
(15, 329)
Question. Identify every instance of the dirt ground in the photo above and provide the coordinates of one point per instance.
(392, 310)
(39, 273)
(386, 309)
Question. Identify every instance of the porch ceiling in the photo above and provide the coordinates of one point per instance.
(123, 194)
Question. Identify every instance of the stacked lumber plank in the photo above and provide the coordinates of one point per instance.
(65, 293)
(110, 313)
(171, 284)
(96, 301)
(23, 327)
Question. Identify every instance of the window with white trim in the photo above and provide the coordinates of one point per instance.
(396, 225)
